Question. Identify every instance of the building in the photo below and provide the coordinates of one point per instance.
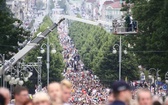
(89, 4)
(92, 8)
(111, 10)
(20, 8)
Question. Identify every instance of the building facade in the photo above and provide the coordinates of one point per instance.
(20, 8)
(111, 10)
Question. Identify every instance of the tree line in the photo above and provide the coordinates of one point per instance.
(151, 41)
(95, 47)
(56, 60)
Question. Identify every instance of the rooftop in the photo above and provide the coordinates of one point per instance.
(113, 4)
(91, 1)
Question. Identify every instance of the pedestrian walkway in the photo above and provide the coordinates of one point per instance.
(87, 89)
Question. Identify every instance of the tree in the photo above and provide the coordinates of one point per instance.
(56, 60)
(95, 48)
(10, 33)
(150, 45)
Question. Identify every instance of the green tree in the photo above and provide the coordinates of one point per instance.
(150, 45)
(10, 33)
(56, 60)
(95, 48)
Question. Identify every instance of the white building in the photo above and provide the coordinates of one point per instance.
(111, 10)
(19, 8)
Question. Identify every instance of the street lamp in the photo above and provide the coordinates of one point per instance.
(120, 55)
(22, 72)
(166, 81)
(154, 74)
(53, 51)
(2, 57)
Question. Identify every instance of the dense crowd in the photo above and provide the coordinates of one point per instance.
(87, 89)
(82, 87)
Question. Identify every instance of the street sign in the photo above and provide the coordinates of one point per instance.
(142, 77)
(164, 87)
(159, 83)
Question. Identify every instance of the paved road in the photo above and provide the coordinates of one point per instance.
(38, 20)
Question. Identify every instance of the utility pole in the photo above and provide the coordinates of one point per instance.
(48, 60)
(120, 55)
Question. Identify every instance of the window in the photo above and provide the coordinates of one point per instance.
(109, 11)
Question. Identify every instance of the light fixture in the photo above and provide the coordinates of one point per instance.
(30, 74)
(150, 76)
(166, 81)
(12, 78)
(26, 79)
(140, 67)
(15, 82)
(125, 52)
(8, 77)
(159, 79)
(53, 51)
(42, 51)
(21, 82)
(114, 51)
(17, 79)
(11, 82)
(142, 74)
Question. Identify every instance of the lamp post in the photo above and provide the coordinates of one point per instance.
(22, 72)
(120, 55)
(155, 73)
(2, 57)
(48, 56)
(29, 68)
(166, 81)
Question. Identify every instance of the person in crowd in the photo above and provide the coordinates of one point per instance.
(122, 93)
(21, 95)
(55, 93)
(144, 97)
(110, 97)
(66, 88)
(156, 103)
(41, 98)
(166, 101)
(133, 102)
(157, 98)
(28, 102)
(2, 100)
(5, 92)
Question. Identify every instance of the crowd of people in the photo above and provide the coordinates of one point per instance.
(81, 87)
(87, 89)
(56, 94)
(64, 93)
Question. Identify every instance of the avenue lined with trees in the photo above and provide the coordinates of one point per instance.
(95, 47)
